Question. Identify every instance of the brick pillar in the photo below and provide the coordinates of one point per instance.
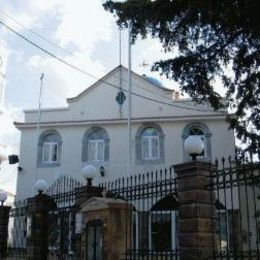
(197, 214)
(37, 240)
(86, 192)
(4, 219)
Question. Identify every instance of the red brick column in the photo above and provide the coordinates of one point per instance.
(4, 219)
(197, 214)
(86, 192)
(37, 240)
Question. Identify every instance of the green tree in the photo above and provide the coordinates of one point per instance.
(215, 39)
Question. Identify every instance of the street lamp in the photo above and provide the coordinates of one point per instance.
(89, 173)
(194, 146)
(3, 197)
(40, 186)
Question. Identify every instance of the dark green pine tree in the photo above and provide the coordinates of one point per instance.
(215, 39)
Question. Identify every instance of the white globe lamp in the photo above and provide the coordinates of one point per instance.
(194, 146)
(3, 197)
(89, 172)
(40, 186)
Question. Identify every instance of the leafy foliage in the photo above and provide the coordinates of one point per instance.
(216, 40)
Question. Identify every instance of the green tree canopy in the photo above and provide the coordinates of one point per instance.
(215, 39)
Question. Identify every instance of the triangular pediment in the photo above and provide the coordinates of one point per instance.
(99, 203)
(115, 73)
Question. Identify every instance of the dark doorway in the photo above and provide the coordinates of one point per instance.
(94, 240)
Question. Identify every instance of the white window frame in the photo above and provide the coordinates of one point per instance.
(96, 143)
(50, 150)
(150, 147)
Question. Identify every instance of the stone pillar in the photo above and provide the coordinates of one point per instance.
(82, 195)
(37, 229)
(115, 216)
(86, 192)
(197, 213)
(4, 219)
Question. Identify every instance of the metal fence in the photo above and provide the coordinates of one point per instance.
(154, 222)
(61, 222)
(17, 229)
(237, 191)
(153, 232)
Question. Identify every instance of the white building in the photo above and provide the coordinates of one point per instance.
(92, 129)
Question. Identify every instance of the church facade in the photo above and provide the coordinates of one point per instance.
(92, 129)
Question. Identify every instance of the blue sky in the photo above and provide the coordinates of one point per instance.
(82, 27)
(90, 36)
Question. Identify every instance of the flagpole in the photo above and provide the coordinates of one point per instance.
(129, 157)
(38, 128)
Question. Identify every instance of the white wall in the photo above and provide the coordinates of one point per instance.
(97, 107)
(98, 103)
(222, 145)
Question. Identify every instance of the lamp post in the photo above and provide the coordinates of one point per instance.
(3, 197)
(40, 186)
(89, 172)
(194, 146)
(196, 205)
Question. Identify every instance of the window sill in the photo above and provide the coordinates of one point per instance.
(150, 162)
(48, 165)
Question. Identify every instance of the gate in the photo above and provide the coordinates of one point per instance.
(62, 219)
(154, 228)
(94, 240)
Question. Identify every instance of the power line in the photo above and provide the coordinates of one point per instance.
(35, 33)
(68, 52)
(92, 76)
(63, 49)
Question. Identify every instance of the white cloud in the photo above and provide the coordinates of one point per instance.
(61, 81)
(30, 12)
(9, 135)
(84, 23)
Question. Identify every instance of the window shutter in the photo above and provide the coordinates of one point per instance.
(145, 148)
(100, 150)
(91, 150)
(45, 152)
(155, 147)
(54, 153)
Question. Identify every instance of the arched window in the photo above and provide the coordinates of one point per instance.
(200, 129)
(95, 145)
(49, 149)
(150, 144)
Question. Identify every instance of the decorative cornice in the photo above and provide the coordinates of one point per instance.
(68, 123)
